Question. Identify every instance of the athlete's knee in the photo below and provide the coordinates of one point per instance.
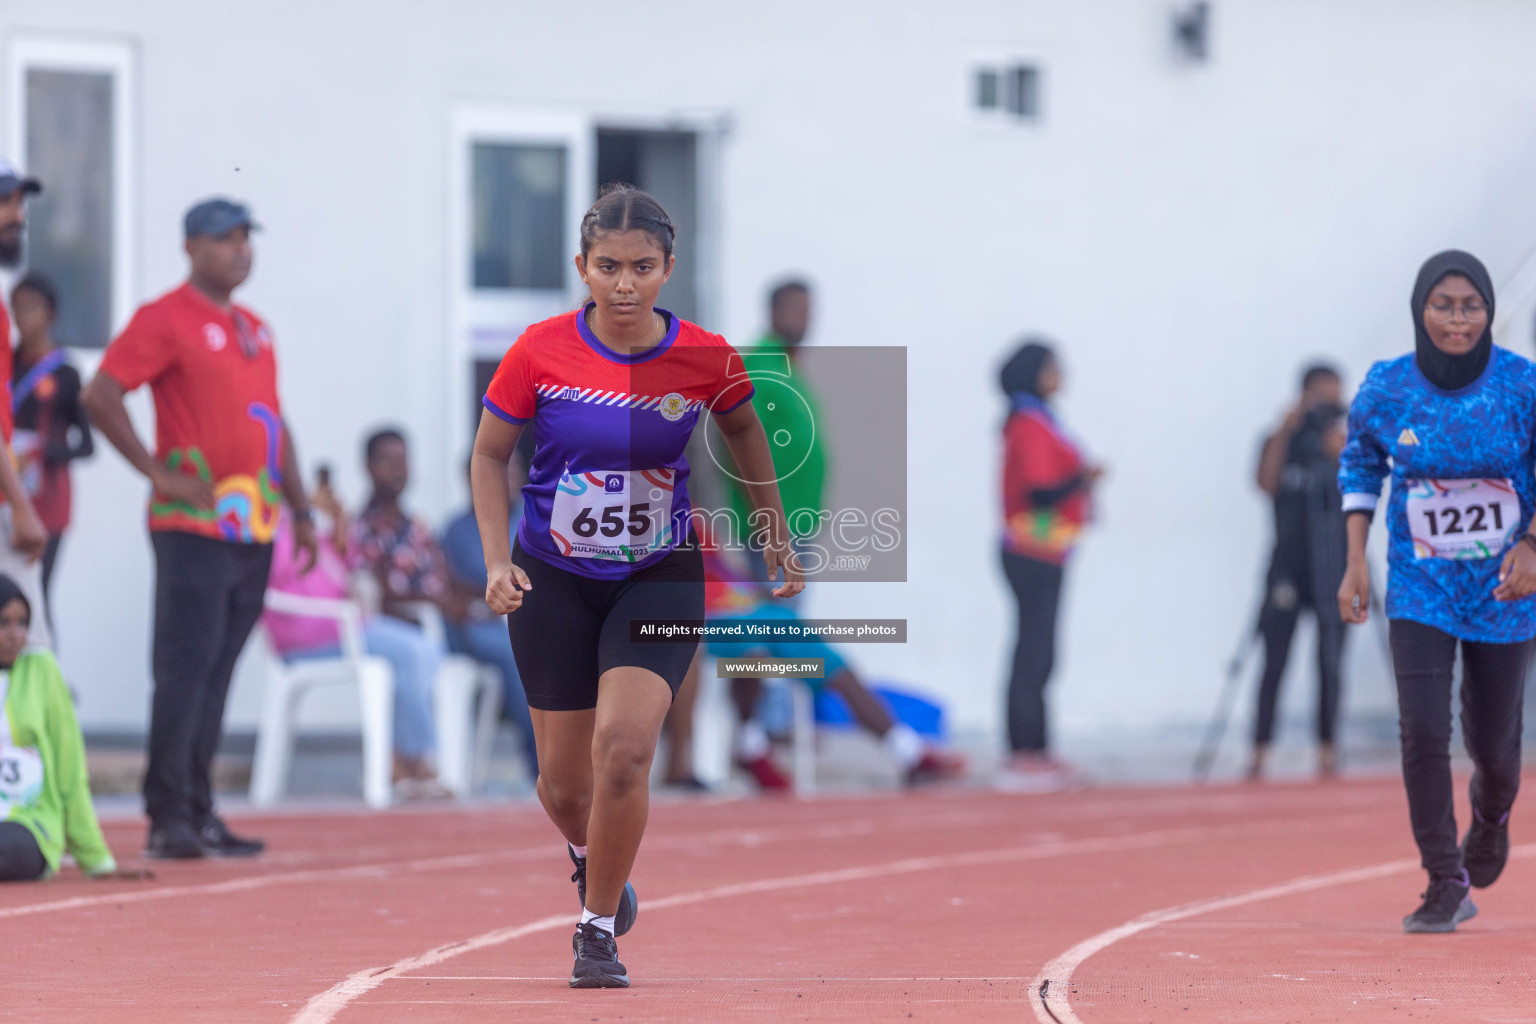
(1425, 733)
(563, 798)
(621, 758)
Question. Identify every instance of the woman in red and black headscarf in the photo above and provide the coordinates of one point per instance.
(1046, 492)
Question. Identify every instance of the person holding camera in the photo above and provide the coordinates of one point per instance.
(1298, 469)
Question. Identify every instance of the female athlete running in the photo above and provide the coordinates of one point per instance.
(613, 392)
(1454, 424)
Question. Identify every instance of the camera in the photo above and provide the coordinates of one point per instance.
(1307, 446)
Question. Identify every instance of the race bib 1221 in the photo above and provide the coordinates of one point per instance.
(617, 514)
(1461, 519)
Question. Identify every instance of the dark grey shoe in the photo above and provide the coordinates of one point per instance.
(1485, 850)
(629, 903)
(219, 841)
(597, 960)
(175, 840)
(1446, 904)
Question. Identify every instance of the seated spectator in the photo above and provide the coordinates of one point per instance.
(45, 799)
(399, 551)
(410, 652)
(730, 595)
(482, 634)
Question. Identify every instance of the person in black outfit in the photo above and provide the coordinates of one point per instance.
(1298, 468)
(52, 429)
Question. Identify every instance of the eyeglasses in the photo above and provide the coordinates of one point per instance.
(1445, 312)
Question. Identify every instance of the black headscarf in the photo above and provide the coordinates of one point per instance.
(1021, 373)
(1442, 369)
(9, 590)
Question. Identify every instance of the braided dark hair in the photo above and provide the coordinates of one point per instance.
(622, 207)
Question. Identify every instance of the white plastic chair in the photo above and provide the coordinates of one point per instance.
(713, 737)
(466, 701)
(287, 682)
(802, 705)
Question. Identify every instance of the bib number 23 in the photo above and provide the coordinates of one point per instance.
(1461, 519)
(21, 776)
(621, 515)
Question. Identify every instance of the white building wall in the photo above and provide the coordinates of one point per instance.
(1190, 233)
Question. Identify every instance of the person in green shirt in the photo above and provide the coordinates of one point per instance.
(790, 412)
(45, 801)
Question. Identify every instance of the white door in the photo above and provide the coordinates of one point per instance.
(521, 180)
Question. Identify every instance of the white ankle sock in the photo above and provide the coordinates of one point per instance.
(903, 744)
(605, 923)
(580, 851)
(751, 741)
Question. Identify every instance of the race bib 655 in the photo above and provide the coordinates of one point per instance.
(617, 514)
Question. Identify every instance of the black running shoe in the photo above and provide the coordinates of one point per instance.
(1446, 904)
(219, 841)
(1485, 850)
(629, 903)
(597, 960)
(175, 840)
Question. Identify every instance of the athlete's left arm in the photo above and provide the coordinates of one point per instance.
(304, 540)
(745, 437)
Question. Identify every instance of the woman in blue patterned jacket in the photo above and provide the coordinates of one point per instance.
(1454, 425)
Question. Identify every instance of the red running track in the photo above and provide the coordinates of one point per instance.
(1271, 903)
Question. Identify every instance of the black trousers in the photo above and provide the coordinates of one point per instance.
(20, 858)
(208, 596)
(1037, 589)
(1277, 627)
(1492, 693)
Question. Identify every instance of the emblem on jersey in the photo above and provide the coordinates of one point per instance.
(672, 407)
(1407, 437)
(614, 483)
(214, 335)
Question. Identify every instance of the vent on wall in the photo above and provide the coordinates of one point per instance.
(1007, 90)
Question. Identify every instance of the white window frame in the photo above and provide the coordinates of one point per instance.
(496, 313)
(28, 51)
(1002, 61)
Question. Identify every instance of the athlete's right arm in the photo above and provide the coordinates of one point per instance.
(1355, 591)
(1363, 465)
(104, 402)
(494, 443)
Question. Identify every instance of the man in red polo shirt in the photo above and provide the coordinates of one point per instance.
(224, 461)
(22, 537)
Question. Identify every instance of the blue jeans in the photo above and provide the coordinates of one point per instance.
(487, 642)
(415, 661)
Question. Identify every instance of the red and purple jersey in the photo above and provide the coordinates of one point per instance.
(607, 490)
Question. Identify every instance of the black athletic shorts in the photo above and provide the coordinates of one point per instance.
(572, 629)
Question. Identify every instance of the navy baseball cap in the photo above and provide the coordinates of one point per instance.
(217, 216)
(11, 179)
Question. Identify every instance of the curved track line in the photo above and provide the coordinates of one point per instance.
(323, 1008)
(1055, 978)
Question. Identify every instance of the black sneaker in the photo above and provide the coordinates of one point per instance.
(597, 960)
(629, 903)
(175, 840)
(1485, 850)
(219, 841)
(1446, 904)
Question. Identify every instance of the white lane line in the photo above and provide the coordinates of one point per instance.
(1056, 976)
(324, 1007)
(732, 836)
(669, 978)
